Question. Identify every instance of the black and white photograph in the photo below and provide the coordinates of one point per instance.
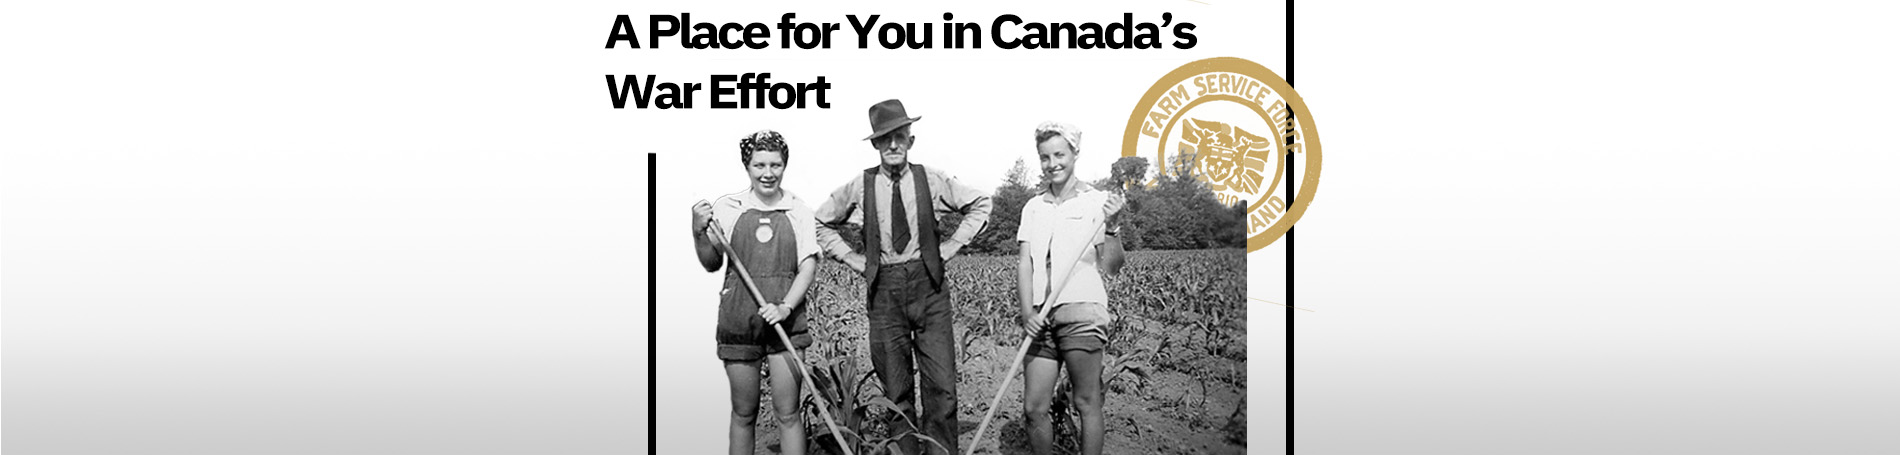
(981, 260)
(1046, 295)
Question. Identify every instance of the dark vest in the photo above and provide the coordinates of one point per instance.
(925, 232)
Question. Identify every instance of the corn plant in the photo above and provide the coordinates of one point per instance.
(862, 410)
(1130, 371)
(1182, 313)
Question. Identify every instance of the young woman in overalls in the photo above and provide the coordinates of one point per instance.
(773, 233)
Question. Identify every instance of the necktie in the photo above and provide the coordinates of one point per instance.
(900, 221)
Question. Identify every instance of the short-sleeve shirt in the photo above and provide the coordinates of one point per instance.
(1055, 233)
(726, 211)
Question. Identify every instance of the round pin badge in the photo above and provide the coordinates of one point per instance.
(763, 233)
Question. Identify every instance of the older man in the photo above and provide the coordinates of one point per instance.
(897, 203)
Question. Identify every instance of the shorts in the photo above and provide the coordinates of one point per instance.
(1077, 326)
(743, 336)
(741, 352)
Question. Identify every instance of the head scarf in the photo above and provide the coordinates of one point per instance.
(1068, 133)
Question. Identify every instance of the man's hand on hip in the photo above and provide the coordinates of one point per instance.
(853, 260)
(949, 249)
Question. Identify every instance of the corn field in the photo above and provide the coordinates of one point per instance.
(1175, 367)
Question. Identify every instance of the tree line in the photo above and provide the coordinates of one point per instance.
(1175, 211)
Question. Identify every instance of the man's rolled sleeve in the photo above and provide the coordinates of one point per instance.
(837, 210)
(973, 203)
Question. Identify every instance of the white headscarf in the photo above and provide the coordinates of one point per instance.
(1068, 132)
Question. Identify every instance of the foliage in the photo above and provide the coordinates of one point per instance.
(1128, 170)
(1180, 332)
(1176, 212)
(864, 416)
(1005, 213)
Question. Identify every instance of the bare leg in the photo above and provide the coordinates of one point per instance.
(743, 378)
(1039, 384)
(1085, 377)
(785, 404)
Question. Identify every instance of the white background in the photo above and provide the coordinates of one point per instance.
(365, 227)
(1607, 227)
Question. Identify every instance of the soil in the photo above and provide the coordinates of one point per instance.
(1185, 395)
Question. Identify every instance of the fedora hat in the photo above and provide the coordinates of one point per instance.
(888, 115)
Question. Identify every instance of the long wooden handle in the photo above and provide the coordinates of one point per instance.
(719, 239)
(1048, 303)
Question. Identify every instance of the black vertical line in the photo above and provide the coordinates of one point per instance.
(653, 296)
(1291, 166)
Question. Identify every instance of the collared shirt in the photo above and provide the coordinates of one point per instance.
(951, 196)
(1055, 230)
(727, 209)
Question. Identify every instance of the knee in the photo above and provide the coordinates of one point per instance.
(787, 413)
(790, 418)
(1089, 404)
(745, 415)
(1036, 409)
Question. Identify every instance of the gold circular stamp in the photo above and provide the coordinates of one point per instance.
(1237, 124)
